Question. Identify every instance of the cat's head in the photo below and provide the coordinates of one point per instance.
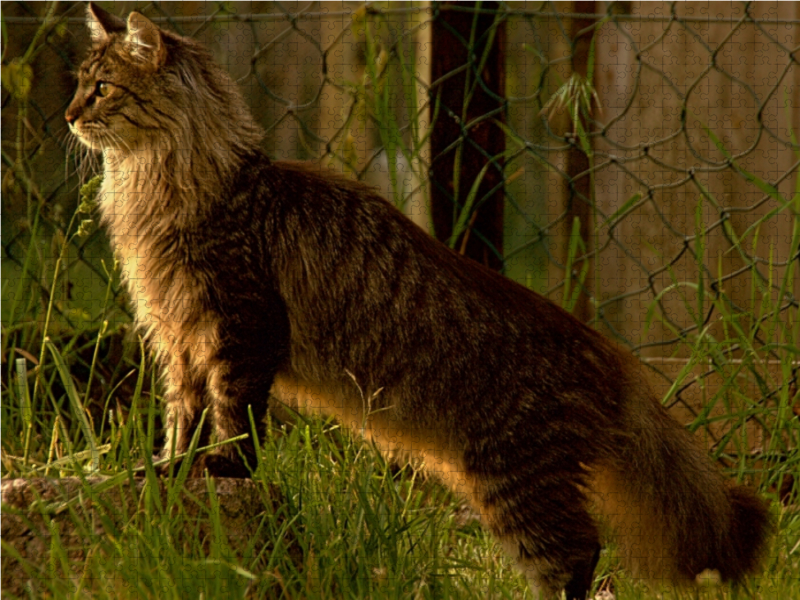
(142, 89)
(112, 107)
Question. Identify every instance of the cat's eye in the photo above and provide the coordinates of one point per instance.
(103, 89)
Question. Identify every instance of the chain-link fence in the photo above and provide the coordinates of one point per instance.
(641, 159)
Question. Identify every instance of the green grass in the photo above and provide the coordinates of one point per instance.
(347, 524)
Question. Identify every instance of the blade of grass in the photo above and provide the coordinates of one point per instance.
(466, 212)
(25, 403)
(764, 186)
(120, 478)
(626, 206)
(186, 463)
(576, 245)
(78, 410)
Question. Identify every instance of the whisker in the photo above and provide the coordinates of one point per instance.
(120, 142)
(69, 141)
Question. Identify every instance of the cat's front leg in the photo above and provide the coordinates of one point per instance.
(239, 387)
(186, 396)
(251, 346)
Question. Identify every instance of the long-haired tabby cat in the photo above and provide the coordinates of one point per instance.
(252, 277)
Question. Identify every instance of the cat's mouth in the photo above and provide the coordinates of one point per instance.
(97, 137)
(85, 135)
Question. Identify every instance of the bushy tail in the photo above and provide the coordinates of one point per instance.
(673, 512)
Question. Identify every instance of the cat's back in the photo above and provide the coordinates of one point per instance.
(337, 241)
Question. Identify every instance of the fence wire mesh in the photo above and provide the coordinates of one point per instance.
(649, 176)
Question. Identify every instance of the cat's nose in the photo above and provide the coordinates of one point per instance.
(72, 115)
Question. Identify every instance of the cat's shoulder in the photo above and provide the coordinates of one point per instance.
(321, 176)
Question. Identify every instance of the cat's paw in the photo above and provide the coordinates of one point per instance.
(218, 465)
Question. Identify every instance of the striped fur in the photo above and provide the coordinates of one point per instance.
(250, 276)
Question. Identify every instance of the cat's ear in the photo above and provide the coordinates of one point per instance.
(101, 23)
(144, 39)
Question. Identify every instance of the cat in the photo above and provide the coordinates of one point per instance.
(258, 281)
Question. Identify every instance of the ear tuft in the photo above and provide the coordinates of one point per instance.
(101, 24)
(144, 39)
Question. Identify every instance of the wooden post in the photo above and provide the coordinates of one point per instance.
(579, 187)
(458, 99)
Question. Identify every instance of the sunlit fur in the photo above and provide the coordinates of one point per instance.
(250, 277)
